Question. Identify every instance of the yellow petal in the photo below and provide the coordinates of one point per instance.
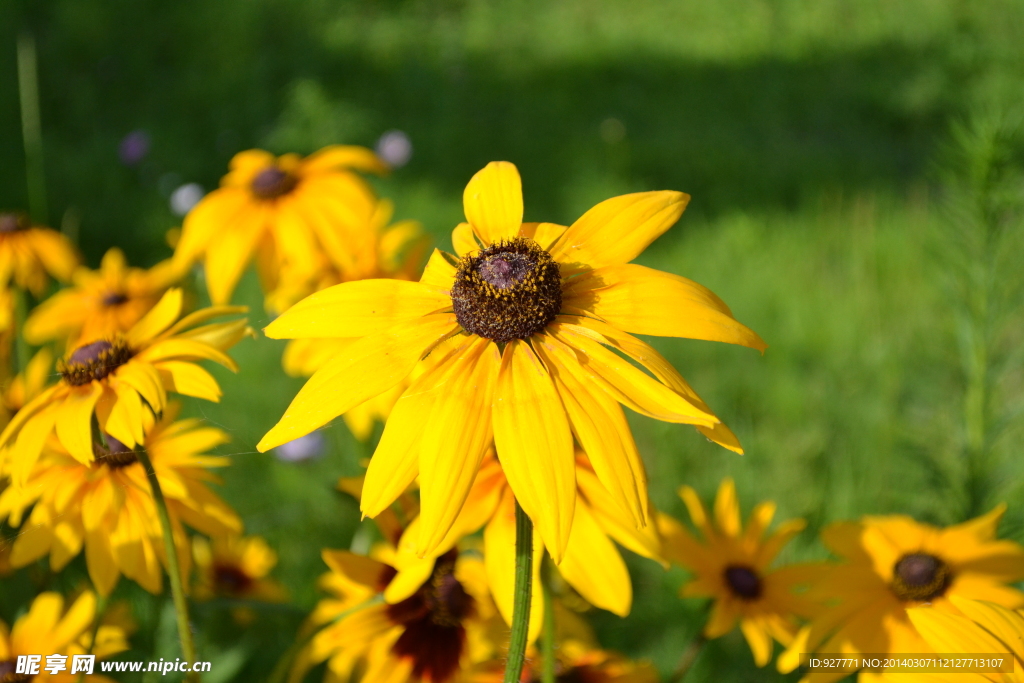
(357, 309)
(216, 210)
(500, 564)
(369, 367)
(1005, 624)
(493, 201)
(145, 379)
(647, 301)
(774, 543)
(99, 559)
(125, 422)
(333, 157)
(76, 620)
(608, 513)
(758, 639)
(534, 444)
(189, 379)
(74, 421)
(727, 508)
(628, 385)
(543, 234)
(601, 429)
(230, 250)
(953, 633)
(617, 230)
(593, 566)
(455, 439)
(25, 453)
(178, 348)
(439, 273)
(463, 240)
(158, 319)
(722, 619)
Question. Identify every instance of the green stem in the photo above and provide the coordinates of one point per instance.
(22, 353)
(31, 129)
(521, 601)
(547, 643)
(687, 659)
(188, 648)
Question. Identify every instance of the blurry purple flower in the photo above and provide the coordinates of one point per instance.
(185, 197)
(303, 448)
(134, 147)
(394, 148)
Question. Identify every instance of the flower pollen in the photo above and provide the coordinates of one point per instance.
(230, 579)
(115, 299)
(273, 182)
(94, 361)
(8, 669)
(743, 581)
(433, 636)
(508, 291)
(920, 577)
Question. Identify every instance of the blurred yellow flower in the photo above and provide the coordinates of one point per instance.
(591, 564)
(286, 212)
(979, 627)
(107, 506)
(46, 629)
(21, 389)
(235, 567)
(100, 303)
(577, 662)
(123, 379)
(732, 566)
(28, 253)
(431, 631)
(531, 314)
(894, 563)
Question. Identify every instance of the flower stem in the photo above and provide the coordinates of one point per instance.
(188, 648)
(521, 601)
(31, 130)
(688, 658)
(547, 643)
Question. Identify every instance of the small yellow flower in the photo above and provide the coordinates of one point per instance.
(523, 332)
(286, 212)
(432, 631)
(46, 629)
(107, 506)
(978, 627)
(123, 380)
(732, 566)
(892, 564)
(100, 303)
(28, 253)
(235, 567)
(592, 564)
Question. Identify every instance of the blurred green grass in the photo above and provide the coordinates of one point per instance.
(807, 132)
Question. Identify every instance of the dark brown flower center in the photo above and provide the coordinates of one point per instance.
(115, 299)
(114, 454)
(8, 667)
(9, 222)
(273, 182)
(230, 579)
(434, 637)
(94, 361)
(920, 577)
(743, 581)
(508, 291)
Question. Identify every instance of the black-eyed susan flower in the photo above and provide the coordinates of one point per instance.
(47, 629)
(236, 567)
(591, 564)
(123, 380)
(286, 212)
(106, 507)
(524, 331)
(28, 253)
(894, 563)
(732, 566)
(430, 631)
(978, 627)
(100, 303)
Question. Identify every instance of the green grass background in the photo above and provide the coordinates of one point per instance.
(814, 137)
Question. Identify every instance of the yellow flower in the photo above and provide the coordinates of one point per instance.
(107, 506)
(235, 567)
(577, 661)
(732, 566)
(122, 380)
(100, 303)
(894, 563)
(522, 332)
(28, 253)
(46, 629)
(980, 627)
(591, 564)
(433, 631)
(285, 211)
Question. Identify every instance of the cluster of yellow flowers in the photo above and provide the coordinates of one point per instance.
(500, 372)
